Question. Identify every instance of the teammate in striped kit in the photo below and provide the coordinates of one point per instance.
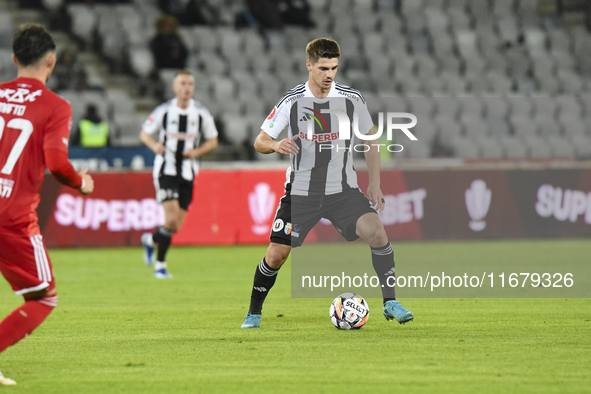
(180, 123)
(33, 135)
(321, 181)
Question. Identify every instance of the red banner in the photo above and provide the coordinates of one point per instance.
(228, 207)
(121, 208)
(238, 207)
(232, 207)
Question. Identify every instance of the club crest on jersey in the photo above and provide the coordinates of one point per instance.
(287, 228)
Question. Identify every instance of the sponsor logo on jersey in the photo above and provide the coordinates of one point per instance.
(272, 114)
(320, 137)
(261, 203)
(478, 202)
(65, 141)
(20, 95)
(349, 95)
(299, 96)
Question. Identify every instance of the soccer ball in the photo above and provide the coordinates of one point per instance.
(349, 311)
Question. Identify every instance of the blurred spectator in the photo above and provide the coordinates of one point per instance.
(295, 12)
(30, 4)
(91, 2)
(175, 8)
(167, 47)
(92, 131)
(201, 12)
(274, 14)
(266, 12)
(68, 73)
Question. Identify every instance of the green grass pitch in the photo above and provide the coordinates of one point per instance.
(118, 330)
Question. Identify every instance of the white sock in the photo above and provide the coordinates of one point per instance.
(160, 265)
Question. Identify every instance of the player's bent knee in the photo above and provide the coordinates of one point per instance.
(39, 295)
(277, 255)
(172, 226)
(374, 234)
(380, 239)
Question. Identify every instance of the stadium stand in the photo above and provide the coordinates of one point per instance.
(487, 79)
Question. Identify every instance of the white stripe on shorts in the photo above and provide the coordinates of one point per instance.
(42, 286)
(43, 271)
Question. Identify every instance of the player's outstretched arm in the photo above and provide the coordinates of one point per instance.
(87, 182)
(59, 165)
(156, 147)
(266, 144)
(374, 193)
(207, 146)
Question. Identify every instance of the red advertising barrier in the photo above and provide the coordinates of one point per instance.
(228, 207)
(232, 207)
(120, 209)
(238, 207)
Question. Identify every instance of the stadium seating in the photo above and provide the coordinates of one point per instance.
(486, 78)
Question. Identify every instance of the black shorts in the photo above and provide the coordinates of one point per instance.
(297, 215)
(174, 188)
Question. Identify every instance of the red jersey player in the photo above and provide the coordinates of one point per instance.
(34, 130)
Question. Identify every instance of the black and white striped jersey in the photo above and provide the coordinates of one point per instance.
(180, 129)
(324, 164)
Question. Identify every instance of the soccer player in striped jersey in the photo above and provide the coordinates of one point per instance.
(180, 123)
(321, 181)
(34, 129)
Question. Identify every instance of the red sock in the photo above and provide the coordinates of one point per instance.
(23, 320)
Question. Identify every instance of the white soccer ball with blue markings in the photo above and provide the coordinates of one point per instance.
(349, 311)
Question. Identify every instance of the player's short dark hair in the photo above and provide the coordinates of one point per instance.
(322, 47)
(31, 42)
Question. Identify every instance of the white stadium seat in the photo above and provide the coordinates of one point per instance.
(142, 61)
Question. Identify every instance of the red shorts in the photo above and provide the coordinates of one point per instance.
(24, 263)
